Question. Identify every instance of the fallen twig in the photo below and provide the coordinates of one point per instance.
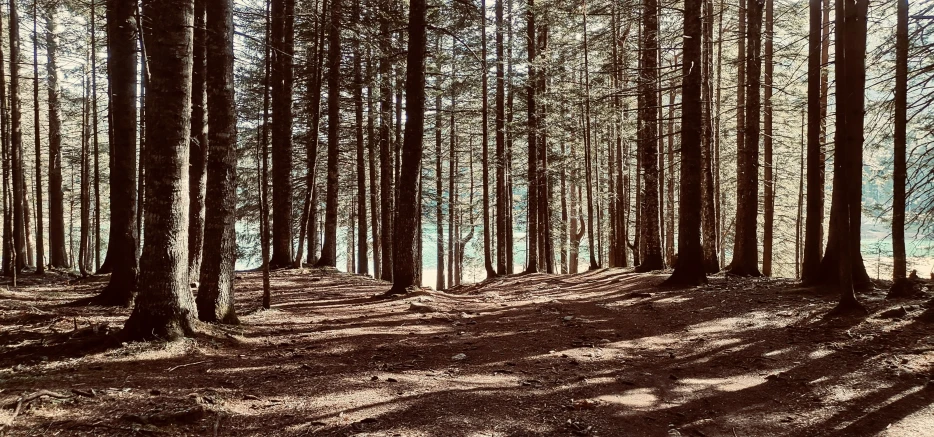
(25, 399)
(185, 365)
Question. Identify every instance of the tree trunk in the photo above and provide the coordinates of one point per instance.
(588, 145)
(329, 249)
(215, 298)
(439, 187)
(501, 199)
(121, 31)
(58, 255)
(16, 143)
(901, 120)
(85, 185)
(487, 232)
(689, 270)
(406, 220)
(40, 239)
(197, 175)
(164, 306)
(651, 253)
(362, 264)
(708, 190)
(385, 152)
(769, 182)
(9, 251)
(283, 19)
(745, 249)
(532, 234)
(813, 228)
(374, 181)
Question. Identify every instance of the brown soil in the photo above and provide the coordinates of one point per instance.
(600, 353)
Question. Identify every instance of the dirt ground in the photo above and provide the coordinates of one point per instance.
(601, 353)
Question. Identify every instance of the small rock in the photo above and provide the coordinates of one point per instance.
(459, 357)
(568, 318)
(374, 378)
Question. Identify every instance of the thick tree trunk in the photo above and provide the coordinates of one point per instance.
(164, 306)
(121, 30)
(9, 251)
(197, 175)
(215, 298)
(689, 270)
(651, 253)
(58, 255)
(406, 220)
(745, 249)
(813, 228)
(283, 21)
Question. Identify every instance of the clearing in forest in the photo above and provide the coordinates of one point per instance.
(599, 353)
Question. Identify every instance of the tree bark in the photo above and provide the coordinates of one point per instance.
(283, 21)
(164, 306)
(215, 298)
(16, 143)
(58, 255)
(745, 249)
(197, 174)
(329, 248)
(532, 117)
(487, 231)
(406, 220)
(901, 120)
(121, 30)
(651, 253)
(769, 178)
(362, 264)
(690, 269)
(40, 239)
(813, 227)
(708, 192)
(501, 199)
(385, 151)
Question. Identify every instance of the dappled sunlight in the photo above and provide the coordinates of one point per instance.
(639, 399)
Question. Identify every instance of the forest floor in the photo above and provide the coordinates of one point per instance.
(599, 353)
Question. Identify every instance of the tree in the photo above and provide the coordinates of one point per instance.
(709, 189)
(745, 249)
(532, 117)
(386, 178)
(40, 239)
(501, 199)
(406, 219)
(122, 61)
(648, 228)
(901, 286)
(329, 249)
(16, 143)
(164, 306)
(362, 265)
(197, 174)
(58, 255)
(813, 226)
(690, 269)
(485, 153)
(283, 21)
(215, 298)
(769, 197)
